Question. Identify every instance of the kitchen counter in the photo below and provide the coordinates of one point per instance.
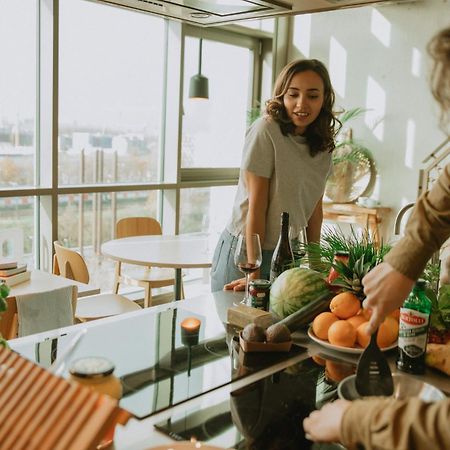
(109, 337)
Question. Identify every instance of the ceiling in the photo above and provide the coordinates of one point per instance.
(216, 12)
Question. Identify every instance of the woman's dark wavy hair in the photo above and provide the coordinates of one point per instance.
(439, 50)
(321, 133)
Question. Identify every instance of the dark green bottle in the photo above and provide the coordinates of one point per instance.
(413, 332)
(282, 258)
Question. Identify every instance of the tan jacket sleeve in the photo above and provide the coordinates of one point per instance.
(381, 424)
(427, 229)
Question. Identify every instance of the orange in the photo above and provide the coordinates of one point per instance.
(335, 371)
(342, 333)
(345, 305)
(357, 320)
(321, 324)
(366, 313)
(387, 333)
(395, 314)
(361, 335)
(318, 360)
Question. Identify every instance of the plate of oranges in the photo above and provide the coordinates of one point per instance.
(343, 328)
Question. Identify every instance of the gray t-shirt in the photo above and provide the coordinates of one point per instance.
(297, 180)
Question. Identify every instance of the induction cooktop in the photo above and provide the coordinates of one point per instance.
(160, 359)
(265, 415)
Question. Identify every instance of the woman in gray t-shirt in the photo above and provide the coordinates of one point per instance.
(285, 163)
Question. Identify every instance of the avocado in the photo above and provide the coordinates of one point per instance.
(253, 333)
(278, 333)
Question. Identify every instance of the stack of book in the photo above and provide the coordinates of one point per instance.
(12, 273)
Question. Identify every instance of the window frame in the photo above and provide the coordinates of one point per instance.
(173, 178)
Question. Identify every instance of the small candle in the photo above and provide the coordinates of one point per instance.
(191, 325)
(190, 328)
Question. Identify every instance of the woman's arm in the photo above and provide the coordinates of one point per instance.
(315, 223)
(258, 199)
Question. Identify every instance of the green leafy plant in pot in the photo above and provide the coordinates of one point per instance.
(4, 292)
(354, 170)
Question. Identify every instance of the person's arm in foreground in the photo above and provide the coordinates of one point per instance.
(258, 195)
(382, 424)
(388, 284)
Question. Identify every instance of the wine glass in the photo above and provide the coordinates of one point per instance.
(248, 258)
(299, 241)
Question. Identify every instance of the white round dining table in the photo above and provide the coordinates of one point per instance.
(179, 252)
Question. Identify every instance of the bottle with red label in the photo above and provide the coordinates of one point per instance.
(413, 332)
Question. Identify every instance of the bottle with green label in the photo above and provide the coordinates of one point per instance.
(413, 332)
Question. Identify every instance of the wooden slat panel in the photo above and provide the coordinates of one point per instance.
(48, 396)
(43, 412)
(14, 411)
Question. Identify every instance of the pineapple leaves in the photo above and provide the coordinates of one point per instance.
(364, 255)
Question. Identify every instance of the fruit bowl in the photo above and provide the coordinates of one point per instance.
(250, 346)
(404, 387)
(354, 350)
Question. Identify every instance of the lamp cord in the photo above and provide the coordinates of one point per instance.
(200, 56)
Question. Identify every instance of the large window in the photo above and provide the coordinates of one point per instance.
(17, 92)
(128, 140)
(214, 129)
(111, 94)
(17, 228)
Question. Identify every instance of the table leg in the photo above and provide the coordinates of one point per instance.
(178, 281)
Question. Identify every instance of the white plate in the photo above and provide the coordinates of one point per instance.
(354, 350)
(185, 446)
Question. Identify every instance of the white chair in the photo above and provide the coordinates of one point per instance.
(150, 277)
(70, 264)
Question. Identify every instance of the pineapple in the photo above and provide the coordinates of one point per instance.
(364, 255)
(351, 275)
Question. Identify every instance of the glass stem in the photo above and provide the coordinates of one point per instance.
(247, 276)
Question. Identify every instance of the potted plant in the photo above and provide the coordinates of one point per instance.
(353, 166)
(4, 291)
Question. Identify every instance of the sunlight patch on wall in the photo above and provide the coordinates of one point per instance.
(410, 141)
(416, 62)
(376, 106)
(302, 34)
(380, 28)
(338, 66)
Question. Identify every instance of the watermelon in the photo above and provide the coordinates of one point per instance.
(295, 288)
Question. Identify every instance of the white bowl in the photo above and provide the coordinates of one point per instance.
(404, 386)
(185, 445)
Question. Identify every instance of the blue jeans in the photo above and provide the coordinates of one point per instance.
(223, 269)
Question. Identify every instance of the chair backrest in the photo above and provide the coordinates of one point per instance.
(137, 226)
(70, 264)
(9, 323)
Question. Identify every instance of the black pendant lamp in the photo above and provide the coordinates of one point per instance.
(198, 86)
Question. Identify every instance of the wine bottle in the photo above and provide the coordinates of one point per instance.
(283, 257)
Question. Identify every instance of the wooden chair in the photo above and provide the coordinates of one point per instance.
(151, 277)
(9, 322)
(70, 264)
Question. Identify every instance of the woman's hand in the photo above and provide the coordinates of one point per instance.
(235, 285)
(324, 425)
(385, 289)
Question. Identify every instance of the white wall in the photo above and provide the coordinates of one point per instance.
(377, 59)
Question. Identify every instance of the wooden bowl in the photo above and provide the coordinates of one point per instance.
(264, 346)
